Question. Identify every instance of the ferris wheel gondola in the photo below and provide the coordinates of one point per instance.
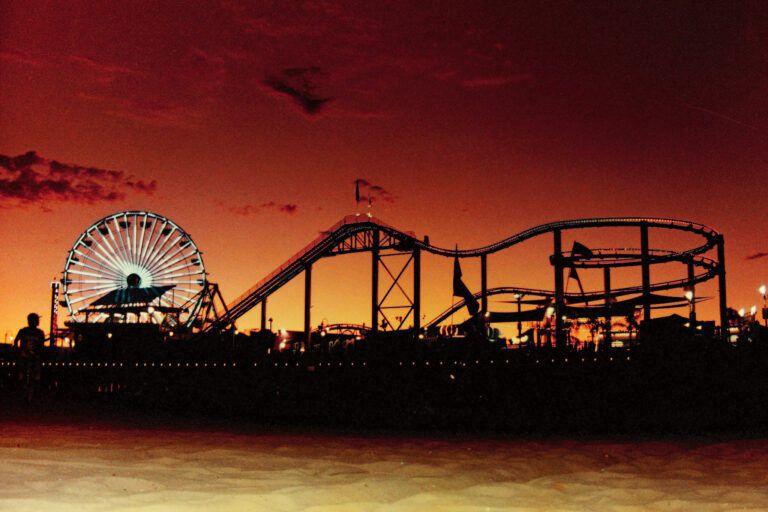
(132, 260)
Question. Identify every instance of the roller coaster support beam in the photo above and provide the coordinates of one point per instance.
(692, 288)
(484, 283)
(223, 320)
(264, 314)
(608, 318)
(646, 271)
(417, 289)
(559, 291)
(375, 281)
(721, 279)
(307, 303)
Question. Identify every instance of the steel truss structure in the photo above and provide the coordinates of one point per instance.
(358, 234)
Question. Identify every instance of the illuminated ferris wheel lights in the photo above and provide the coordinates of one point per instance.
(133, 250)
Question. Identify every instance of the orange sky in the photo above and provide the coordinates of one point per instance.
(247, 123)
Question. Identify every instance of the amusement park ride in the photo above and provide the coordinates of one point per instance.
(150, 330)
(138, 267)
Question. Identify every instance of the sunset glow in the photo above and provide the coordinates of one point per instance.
(249, 123)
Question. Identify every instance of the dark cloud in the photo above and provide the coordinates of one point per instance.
(757, 255)
(296, 84)
(288, 208)
(30, 178)
(250, 209)
(18, 162)
(141, 186)
(373, 192)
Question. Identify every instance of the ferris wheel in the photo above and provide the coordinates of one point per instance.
(136, 266)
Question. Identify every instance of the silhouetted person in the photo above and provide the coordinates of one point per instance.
(30, 340)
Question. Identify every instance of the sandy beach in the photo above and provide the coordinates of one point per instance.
(84, 462)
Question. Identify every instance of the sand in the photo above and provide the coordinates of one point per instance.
(54, 463)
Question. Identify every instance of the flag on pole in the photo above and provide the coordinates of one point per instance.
(581, 250)
(575, 275)
(461, 290)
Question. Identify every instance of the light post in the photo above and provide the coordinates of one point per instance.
(689, 296)
(518, 296)
(763, 291)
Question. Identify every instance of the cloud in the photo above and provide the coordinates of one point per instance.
(339, 112)
(496, 81)
(161, 115)
(30, 178)
(100, 71)
(250, 209)
(20, 58)
(297, 84)
(757, 255)
(101, 67)
(373, 192)
(148, 112)
(272, 28)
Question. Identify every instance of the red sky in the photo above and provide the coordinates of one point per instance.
(477, 120)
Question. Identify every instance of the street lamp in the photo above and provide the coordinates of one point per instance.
(689, 296)
(518, 296)
(763, 291)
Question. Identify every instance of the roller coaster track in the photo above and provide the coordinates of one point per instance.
(333, 240)
(710, 273)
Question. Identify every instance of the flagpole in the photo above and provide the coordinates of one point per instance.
(357, 198)
(453, 297)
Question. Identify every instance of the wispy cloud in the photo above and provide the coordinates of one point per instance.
(146, 111)
(272, 28)
(101, 67)
(757, 256)
(496, 81)
(30, 178)
(21, 58)
(369, 191)
(719, 115)
(250, 209)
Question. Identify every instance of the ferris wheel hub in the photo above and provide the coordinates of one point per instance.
(133, 280)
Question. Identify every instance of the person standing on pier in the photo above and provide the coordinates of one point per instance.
(30, 340)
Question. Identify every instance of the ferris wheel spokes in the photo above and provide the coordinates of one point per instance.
(99, 268)
(159, 257)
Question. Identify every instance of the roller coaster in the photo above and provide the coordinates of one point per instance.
(357, 234)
